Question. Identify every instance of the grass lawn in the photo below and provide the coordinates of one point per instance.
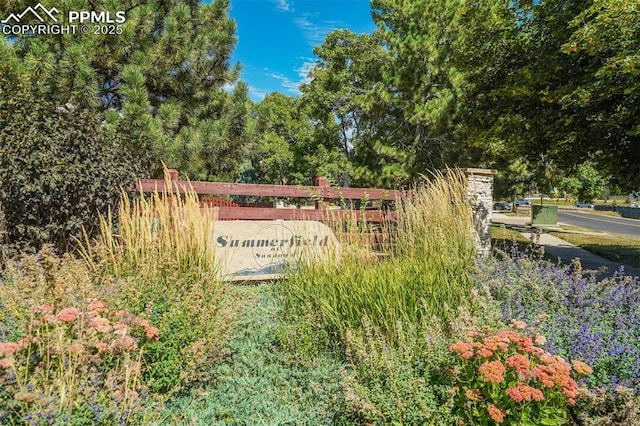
(618, 249)
(503, 239)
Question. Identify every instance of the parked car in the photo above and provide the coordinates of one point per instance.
(502, 206)
(584, 205)
(523, 202)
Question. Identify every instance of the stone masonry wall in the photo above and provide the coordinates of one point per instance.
(481, 198)
(480, 193)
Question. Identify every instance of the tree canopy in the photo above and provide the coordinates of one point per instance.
(532, 88)
(160, 83)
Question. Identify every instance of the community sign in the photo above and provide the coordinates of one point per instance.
(267, 249)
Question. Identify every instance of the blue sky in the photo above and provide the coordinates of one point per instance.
(276, 38)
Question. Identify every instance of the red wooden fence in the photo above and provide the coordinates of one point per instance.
(322, 193)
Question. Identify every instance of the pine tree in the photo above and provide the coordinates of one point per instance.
(160, 83)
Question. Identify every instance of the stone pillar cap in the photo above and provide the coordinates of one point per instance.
(475, 171)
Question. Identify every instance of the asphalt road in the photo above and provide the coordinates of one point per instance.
(611, 225)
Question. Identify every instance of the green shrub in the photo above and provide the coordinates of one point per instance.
(400, 384)
(163, 263)
(58, 170)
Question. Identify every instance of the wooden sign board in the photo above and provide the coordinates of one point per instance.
(266, 249)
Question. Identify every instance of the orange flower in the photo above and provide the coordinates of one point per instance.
(515, 394)
(520, 363)
(529, 393)
(473, 394)
(460, 347)
(511, 336)
(541, 372)
(582, 368)
(6, 362)
(485, 353)
(537, 394)
(493, 343)
(68, 314)
(492, 371)
(496, 414)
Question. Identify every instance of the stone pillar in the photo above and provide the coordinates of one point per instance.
(480, 192)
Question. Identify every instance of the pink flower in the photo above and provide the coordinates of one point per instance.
(143, 323)
(47, 309)
(124, 344)
(152, 333)
(76, 348)
(50, 319)
(101, 347)
(6, 362)
(9, 348)
(97, 305)
(99, 324)
(120, 328)
(68, 314)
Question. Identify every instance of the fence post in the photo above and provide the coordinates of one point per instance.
(322, 182)
(173, 174)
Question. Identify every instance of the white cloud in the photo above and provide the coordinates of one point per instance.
(303, 70)
(256, 94)
(283, 5)
(229, 87)
(315, 32)
(291, 86)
